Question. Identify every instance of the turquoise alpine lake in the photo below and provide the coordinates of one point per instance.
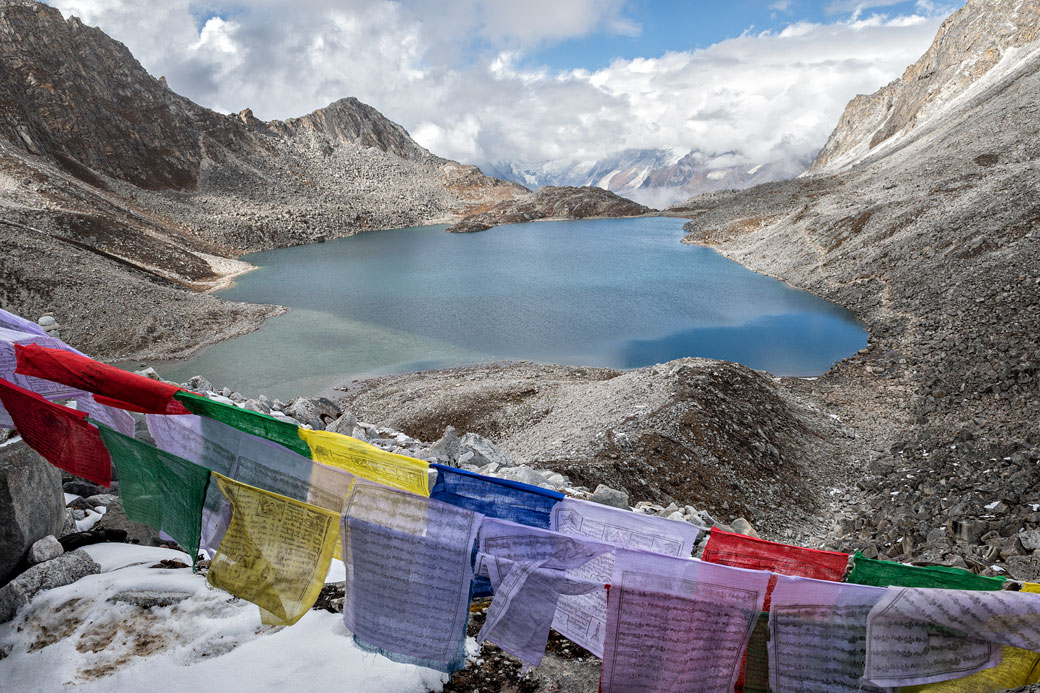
(620, 293)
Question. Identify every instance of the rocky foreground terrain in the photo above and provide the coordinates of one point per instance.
(551, 203)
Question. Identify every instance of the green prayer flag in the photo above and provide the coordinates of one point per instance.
(868, 571)
(159, 489)
(253, 422)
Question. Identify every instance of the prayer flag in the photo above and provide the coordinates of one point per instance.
(159, 489)
(924, 635)
(112, 386)
(818, 634)
(677, 624)
(60, 434)
(368, 462)
(275, 552)
(408, 562)
(498, 498)
(741, 551)
(530, 569)
(1017, 668)
(582, 618)
(867, 571)
(282, 432)
(17, 323)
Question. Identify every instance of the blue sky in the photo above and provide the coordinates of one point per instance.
(675, 25)
(741, 82)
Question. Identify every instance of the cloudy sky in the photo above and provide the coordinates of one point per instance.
(534, 80)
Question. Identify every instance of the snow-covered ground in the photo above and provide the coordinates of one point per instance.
(87, 637)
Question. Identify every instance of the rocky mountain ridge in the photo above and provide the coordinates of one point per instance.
(117, 194)
(932, 243)
(969, 44)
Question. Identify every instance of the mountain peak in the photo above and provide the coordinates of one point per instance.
(968, 45)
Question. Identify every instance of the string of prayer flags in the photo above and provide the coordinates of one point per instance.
(582, 618)
(250, 460)
(1017, 668)
(368, 462)
(284, 433)
(159, 489)
(408, 573)
(499, 498)
(115, 418)
(677, 624)
(818, 634)
(60, 434)
(921, 635)
(530, 569)
(8, 363)
(868, 571)
(111, 386)
(275, 553)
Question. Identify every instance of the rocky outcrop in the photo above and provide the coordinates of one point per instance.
(31, 503)
(969, 44)
(114, 182)
(552, 203)
(933, 245)
(713, 434)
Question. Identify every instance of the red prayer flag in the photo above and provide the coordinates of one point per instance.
(113, 386)
(61, 435)
(741, 551)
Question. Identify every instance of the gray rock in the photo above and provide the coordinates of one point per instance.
(197, 383)
(45, 549)
(446, 450)
(742, 526)
(136, 533)
(479, 451)
(524, 475)
(257, 406)
(102, 500)
(316, 412)
(148, 373)
(1030, 539)
(345, 425)
(610, 496)
(63, 570)
(69, 525)
(665, 512)
(47, 322)
(31, 503)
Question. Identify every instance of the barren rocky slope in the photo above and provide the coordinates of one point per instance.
(551, 202)
(137, 195)
(934, 245)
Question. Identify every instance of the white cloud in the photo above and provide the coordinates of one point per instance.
(454, 73)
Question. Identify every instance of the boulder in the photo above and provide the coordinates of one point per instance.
(102, 500)
(137, 533)
(79, 487)
(446, 450)
(197, 383)
(347, 425)
(317, 412)
(742, 526)
(31, 503)
(45, 549)
(480, 452)
(610, 496)
(63, 570)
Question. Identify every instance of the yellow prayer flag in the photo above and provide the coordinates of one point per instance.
(368, 461)
(275, 553)
(1017, 668)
